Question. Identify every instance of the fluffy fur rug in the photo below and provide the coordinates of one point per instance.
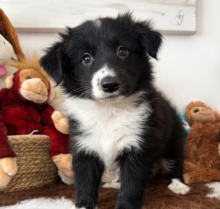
(215, 190)
(42, 203)
(157, 197)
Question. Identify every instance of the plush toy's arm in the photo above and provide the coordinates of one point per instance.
(8, 161)
(46, 115)
(5, 150)
(188, 166)
(192, 142)
(59, 141)
(57, 119)
(61, 122)
(59, 149)
(201, 174)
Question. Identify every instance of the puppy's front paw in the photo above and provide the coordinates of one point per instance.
(115, 185)
(178, 187)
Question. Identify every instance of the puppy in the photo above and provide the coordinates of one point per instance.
(118, 120)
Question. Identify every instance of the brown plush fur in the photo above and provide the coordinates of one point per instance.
(8, 31)
(202, 160)
(191, 105)
(158, 196)
(30, 63)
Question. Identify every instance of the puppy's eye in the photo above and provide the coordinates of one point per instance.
(122, 51)
(28, 77)
(87, 59)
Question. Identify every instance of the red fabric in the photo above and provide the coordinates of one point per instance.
(5, 150)
(59, 141)
(19, 116)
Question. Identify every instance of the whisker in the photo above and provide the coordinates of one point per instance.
(78, 89)
(86, 95)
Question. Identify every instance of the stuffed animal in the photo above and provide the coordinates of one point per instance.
(9, 47)
(6, 54)
(65, 170)
(24, 110)
(202, 160)
(60, 122)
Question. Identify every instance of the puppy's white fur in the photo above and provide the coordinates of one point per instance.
(178, 187)
(57, 101)
(74, 207)
(109, 127)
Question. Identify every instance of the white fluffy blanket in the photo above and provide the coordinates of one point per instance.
(42, 203)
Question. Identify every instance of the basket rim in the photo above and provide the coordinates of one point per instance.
(28, 135)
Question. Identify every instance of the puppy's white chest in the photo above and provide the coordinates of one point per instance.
(108, 128)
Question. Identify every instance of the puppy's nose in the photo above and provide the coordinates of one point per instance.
(110, 84)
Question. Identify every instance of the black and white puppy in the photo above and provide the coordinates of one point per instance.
(118, 120)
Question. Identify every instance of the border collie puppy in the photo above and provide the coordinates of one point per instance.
(117, 119)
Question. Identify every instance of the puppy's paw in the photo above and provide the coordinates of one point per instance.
(115, 185)
(178, 187)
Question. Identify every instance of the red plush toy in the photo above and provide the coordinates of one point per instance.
(24, 110)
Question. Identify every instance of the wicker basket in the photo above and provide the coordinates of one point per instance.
(35, 166)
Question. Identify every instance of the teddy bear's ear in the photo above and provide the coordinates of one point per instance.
(9, 81)
(51, 95)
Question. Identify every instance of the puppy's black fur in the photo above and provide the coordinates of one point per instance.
(165, 138)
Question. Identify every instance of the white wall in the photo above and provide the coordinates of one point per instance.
(189, 66)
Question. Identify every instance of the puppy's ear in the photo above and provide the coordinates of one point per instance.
(150, 39)
(52, 62)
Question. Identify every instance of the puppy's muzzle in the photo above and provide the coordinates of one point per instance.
(110, 84)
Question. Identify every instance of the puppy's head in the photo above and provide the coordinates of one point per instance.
(104, 58)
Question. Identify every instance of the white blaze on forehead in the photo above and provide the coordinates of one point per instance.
(103, 72)
(97, 23)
